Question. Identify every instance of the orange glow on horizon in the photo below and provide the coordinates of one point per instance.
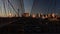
(10, 14)
(33, 15)
(53, 15)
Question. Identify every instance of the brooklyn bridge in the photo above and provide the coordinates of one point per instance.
(43, 17)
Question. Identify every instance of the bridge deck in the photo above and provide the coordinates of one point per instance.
(30, 25)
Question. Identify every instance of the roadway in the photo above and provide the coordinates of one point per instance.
(12, 26)
(30, 25)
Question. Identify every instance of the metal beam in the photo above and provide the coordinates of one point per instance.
(12, 6)
(4, 7)
(21, 7)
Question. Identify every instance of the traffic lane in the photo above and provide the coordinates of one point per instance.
(12, 28)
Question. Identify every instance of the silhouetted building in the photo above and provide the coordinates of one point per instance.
(25, 15)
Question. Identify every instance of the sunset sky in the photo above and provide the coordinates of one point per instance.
(27, 6)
